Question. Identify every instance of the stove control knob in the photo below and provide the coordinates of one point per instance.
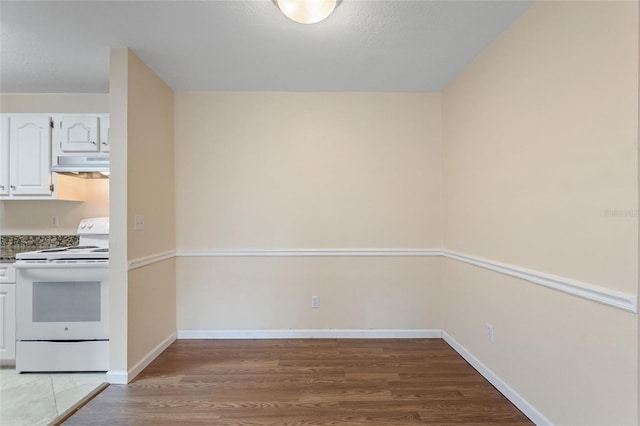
(90, 225)
(83, 225)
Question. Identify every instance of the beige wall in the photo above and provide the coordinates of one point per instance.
(258, 293)
(151, 308)
(143, 298)
(307, 171)
(540, 144)
(572, 359)
(296, 170)
(33, 217)
(55, 102)
(150, 192)
(540, 170)
(118, 256)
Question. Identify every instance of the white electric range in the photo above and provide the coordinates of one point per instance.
(62, 304)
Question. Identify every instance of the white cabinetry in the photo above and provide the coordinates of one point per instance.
(29, 154)
(25, 150)
(81, 134)
(105, 125)
(7, 314)
(25, 161)
(4, 154)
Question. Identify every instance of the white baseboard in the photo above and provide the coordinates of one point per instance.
(124, 377)
(310, 252)
(515, 398)
(312, 334)
(117, 377)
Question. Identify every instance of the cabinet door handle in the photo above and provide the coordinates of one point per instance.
(13, 187)
(105, 143)
(93, 142)
(1, 186)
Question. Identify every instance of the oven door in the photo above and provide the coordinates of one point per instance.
(62, 301)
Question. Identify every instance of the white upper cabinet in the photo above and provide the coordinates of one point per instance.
(4, 155)
(79, 134)
(30, 155)
(30, 144)
(105, 125)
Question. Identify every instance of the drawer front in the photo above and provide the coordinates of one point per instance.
(7, 273)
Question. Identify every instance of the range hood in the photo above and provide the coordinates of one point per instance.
(83, 167)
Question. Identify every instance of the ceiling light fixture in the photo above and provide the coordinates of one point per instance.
(306, 11)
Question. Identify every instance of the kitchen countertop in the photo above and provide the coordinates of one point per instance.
(8, 254)
(12, 244)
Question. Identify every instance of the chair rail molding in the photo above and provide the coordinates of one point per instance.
(607, 296)
(150, 260)
(617, 299)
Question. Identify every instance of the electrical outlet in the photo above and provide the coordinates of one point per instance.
(54, 221)
(138, 222)
(490, 335)
(315, 302)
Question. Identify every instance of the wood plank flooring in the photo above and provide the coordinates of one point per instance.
(304, 382)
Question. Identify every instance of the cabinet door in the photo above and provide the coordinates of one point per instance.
(4, 154)
(30, 155)
(79, 134)
(104, 134)
(7, 321)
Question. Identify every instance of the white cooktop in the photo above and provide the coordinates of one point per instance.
(93, 247)
(66, 253)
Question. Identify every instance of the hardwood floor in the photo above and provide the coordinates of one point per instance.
(304, 382)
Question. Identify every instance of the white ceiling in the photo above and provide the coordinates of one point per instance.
(235, 45)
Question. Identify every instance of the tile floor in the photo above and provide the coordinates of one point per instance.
(32, 399)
